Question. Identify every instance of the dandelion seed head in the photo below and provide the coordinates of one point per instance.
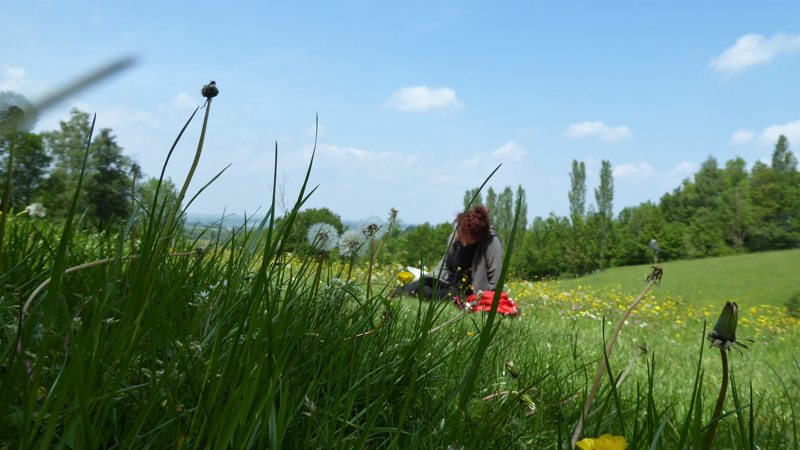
(351, 243)
(35, 210)
(323, 236)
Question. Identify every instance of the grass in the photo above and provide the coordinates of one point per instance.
(768, 278)
(244, 345)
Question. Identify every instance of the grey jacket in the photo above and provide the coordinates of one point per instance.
(486, 264)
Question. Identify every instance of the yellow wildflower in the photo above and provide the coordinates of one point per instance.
(405, 277)
(604, 442)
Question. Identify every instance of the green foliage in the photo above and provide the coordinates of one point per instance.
(246, 345)
(108, 189)
(296, 241)
(421, 245)
(577, 192)
(793, 306)
(30, 167)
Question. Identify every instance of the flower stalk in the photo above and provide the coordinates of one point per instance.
(723, 336)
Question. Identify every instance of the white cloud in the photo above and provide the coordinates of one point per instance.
(682, 171)
(754, 49)
(639, 170)
(597, 129)
(16, 79)
(122, 116)
(184, 101)
(790, 129)
(510, 150)
(349, 161)
(741, 137)
(423, 98)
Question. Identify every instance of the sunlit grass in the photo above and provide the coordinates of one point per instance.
(244, 345)
(767, 278)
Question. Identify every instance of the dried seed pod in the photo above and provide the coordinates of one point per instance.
(210, 90)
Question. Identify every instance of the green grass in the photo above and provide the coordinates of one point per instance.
(243, 345)
(768, 278)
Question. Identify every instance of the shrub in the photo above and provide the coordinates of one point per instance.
(793, 306)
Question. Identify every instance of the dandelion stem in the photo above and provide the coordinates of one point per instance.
(723, 390)
(601, 368)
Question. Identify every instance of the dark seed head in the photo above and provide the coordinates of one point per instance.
(210, 90)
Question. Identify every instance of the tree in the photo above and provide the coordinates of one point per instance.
(504, 213)
(67, 146)
(423, 245)
(738, 210)
(296, 241)
(469, 194)
(30, 167)
(147, 193)
(577, 193)
(604, 196)
(522, 199)
(108, 188)
(542, 252)
(577, 251)
(491, 203)
(783, 161)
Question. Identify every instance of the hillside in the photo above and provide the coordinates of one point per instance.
(751, 279)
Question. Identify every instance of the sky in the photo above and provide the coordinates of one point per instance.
(418, 101)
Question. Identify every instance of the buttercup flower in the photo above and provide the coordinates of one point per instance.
(405, 277)
(604, 442)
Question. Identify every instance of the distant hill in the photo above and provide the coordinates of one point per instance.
(236, 220)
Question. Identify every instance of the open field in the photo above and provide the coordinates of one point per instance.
(768, 278)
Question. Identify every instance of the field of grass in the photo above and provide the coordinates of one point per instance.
(754, 279)
(141, 339)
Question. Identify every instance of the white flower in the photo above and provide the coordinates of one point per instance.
(323, 236)
(35, 210)
(351, 243)
(16, 112)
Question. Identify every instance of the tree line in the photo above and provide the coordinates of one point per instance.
(47, 165)
(722, 209)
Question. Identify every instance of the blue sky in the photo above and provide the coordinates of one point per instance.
(419, 101)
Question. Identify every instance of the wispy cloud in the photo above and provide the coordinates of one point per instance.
(790, 129)
(16, 79)
(510, 150)
(640, 169)
(184, 101)
(599, 130)
(423, 98)
(754, 49)
(741, 137)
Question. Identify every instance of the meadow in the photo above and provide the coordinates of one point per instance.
(143, 337)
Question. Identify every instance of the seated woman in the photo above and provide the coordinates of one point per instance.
(473, 261)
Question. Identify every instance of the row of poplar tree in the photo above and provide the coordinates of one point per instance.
(721, 210)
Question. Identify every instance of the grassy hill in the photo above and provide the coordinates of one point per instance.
(752, 279)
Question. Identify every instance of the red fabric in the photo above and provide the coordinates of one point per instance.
(506, 307)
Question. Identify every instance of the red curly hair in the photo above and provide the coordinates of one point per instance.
(474, 224)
